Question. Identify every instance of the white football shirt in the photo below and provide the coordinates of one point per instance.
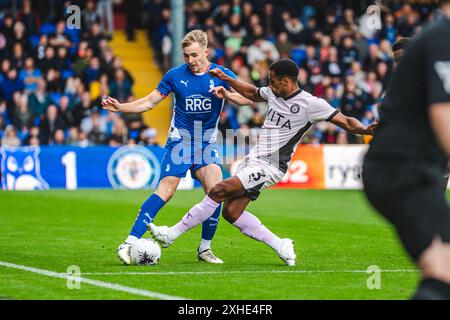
(287, 120)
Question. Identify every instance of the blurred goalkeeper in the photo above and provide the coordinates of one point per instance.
(403, 169)
(398, 49)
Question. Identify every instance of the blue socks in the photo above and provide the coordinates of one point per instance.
(148, 212)
(209, 226)
(146, 215)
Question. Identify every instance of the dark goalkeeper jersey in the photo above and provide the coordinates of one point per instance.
(421, 79)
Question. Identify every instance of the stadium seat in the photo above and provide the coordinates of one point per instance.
(307, 12)
(47, 29)
(34, 41)
(272, 38)
(55, 96)
(373, 41)
(67, 73)
(219, 52)
(298, 55)
(74, 34)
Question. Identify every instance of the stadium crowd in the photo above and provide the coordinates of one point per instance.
(342, 58)
(52, 79)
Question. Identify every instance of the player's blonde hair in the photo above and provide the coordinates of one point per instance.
(198, 36)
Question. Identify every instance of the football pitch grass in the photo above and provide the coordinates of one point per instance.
(337, 237)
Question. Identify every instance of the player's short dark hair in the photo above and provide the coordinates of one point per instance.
(285, 68)
(442, 2)
(401, 44)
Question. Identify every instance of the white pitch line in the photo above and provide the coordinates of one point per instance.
(97, 283)
(241, 272)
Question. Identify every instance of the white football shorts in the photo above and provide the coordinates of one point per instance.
(256, 174)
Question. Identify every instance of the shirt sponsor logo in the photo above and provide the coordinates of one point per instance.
(197, 104)
(278, 119)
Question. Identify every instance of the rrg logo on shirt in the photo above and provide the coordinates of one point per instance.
(197, 104)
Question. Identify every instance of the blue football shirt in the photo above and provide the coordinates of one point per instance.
(196, 110)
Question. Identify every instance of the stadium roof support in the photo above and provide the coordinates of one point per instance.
(178, 9)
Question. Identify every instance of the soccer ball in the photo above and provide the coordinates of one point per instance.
(145, 252)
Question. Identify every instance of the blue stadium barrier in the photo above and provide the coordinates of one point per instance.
(67, 167)
(48, 167)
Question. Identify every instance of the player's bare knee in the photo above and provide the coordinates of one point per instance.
(166, 194)
(219, 192)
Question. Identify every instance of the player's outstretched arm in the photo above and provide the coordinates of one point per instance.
(247, 90)
(136, 106)
(233, 97)
(353, 125)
